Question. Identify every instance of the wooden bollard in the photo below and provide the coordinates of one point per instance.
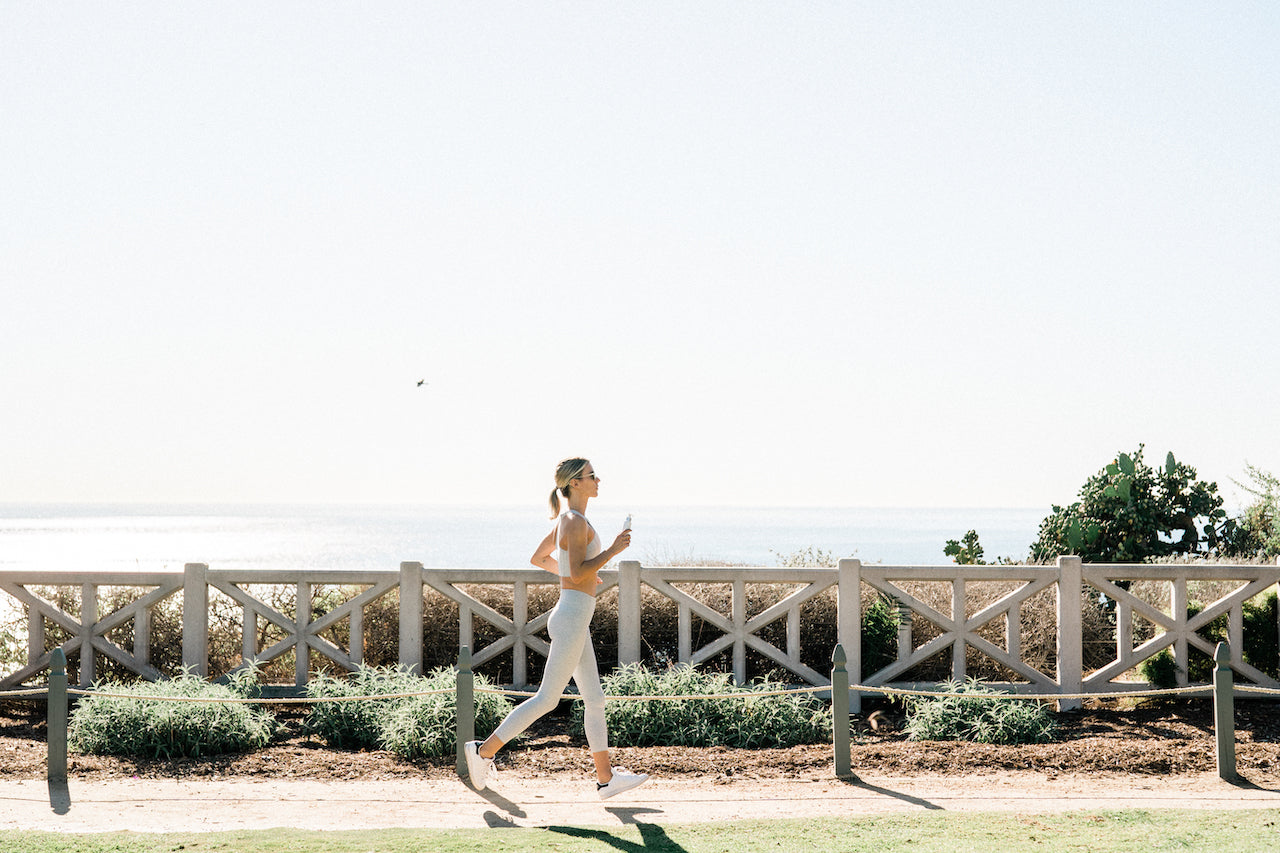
(464, 708)
(840, 713)
(57, 719)
(1224, 712)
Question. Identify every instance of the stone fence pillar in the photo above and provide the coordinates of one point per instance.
(1070, 626)
(195, 619)
(411, 617)
(849, 623)
(628, 612)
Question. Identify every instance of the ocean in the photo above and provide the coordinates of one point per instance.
(83, 537)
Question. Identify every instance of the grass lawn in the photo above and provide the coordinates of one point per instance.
(1115, 832)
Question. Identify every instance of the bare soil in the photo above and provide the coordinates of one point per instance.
(1155, 739)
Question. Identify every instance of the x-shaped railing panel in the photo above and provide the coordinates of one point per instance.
(304, 636)
(95, 631)
(519, 634)
(738, 632)
(1176, 627)
(961, 630)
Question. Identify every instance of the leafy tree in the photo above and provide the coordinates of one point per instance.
(968, 551)
(1257, 532)
(1128, 512)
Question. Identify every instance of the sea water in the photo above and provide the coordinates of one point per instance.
(95, 537)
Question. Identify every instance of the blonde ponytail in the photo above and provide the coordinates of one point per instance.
(567, 470)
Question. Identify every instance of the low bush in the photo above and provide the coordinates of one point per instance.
(149, 728)
(880, 622)
(766, 721)
(356, 725)
(1160, 670)
(977, 717)
(409, 726)
(426, 726)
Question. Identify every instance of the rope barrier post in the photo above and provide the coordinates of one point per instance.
(840, 713)
(465, 708)
(57, 720)
(1224, 722)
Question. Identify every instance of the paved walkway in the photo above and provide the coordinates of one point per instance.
(149, 805)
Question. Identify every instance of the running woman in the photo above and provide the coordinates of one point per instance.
(572, 550)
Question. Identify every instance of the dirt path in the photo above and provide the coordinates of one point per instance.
(166, 805)
(1152, 757)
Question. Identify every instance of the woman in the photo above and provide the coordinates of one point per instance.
(572, 550)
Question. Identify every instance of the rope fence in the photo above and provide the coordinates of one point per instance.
(1222, 690)
(889, 692)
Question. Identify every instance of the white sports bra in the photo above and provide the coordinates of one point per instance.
(562, 556)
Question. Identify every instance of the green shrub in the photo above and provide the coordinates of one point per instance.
(977, 717)
(1261, 641)
(149, 728)
(1129, 512)
(409, 726)
(967, 552)
(426, 726)
(880, 623)
(356, 725)
(767, 721)
(1160, 670)
(1257, 529)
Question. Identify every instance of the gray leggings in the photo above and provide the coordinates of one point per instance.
(571, 656)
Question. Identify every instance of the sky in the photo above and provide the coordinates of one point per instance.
(768, 254)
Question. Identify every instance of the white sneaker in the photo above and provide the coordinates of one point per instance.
(621, 781)
(478, 769)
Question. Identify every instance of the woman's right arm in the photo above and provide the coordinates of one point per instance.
(542, 558)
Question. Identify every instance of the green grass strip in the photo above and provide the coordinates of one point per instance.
(1117, 831)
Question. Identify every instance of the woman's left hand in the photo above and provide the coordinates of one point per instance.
(622, 542)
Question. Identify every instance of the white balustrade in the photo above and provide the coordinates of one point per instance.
(966, 624)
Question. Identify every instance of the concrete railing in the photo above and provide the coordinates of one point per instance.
(957, 628)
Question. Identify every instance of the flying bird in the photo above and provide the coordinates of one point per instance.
(421, 382)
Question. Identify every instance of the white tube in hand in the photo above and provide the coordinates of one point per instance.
(626, 525)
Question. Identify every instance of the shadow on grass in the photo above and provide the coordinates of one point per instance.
(652, 836)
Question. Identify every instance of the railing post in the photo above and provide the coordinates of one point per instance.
(959, 660)
(519, 621)
(840, 713)
(302, 618)
(57, 716)
(1224, 716)
(35, 634)
(1070, 629)
(849, 622)
(195, 618)
(464, 708)
(88, 617)
(628, 612)
(411, 617)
